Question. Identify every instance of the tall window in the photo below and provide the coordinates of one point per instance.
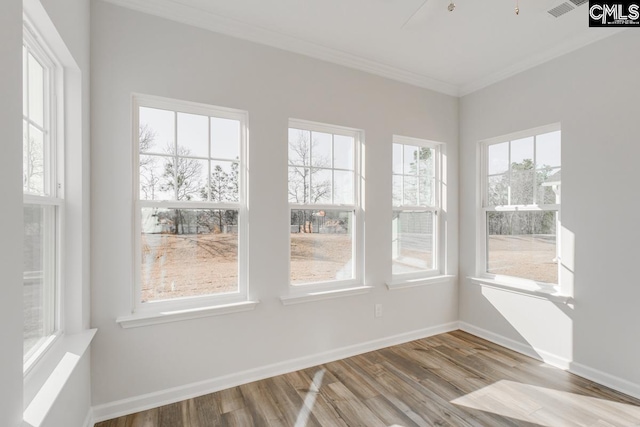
(415, 207)
(521, 204)
(43, 199)
(190, 206)
(324, 204)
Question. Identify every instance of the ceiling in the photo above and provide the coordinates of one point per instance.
(415, 41)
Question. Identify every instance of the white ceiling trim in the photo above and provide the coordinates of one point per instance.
(535, 60)
(196, 17)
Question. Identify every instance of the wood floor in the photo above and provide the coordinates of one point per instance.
(453, 379)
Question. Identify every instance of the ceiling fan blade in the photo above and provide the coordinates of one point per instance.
(423, 14)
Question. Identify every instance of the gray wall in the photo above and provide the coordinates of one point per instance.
(11, 196)
(134, 52)
(593, 93)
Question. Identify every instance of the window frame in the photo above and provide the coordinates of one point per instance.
(355, 207)
(482, 241)
(195, 301)
(53, 177)
(436, 209)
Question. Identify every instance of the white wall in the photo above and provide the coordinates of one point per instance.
(133, 52)
(11, 196)
(594, 93)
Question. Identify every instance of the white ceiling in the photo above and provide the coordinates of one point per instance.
(479, 43)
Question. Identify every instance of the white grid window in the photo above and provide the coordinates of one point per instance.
(521, 205)
(191, 203)
(43, 198)
(324, 200)
(416, 203)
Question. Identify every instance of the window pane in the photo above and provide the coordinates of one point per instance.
(299, 185)
(548, 179)
(548, 150)
(397, 190)
(157, 131)
(343, 152)
(321, 149)
(299, 147)
(522, 244)
(320, 185)
(343, 187)
(522, 150)
(522, 184)
(34, 162)
(426, 195)
(410, 190)
(397, 158)
(193, 135)
(498, 158)
(36, 91)
(411, 160)
(225, 138)
(224, 182)
(321, 246)
(188, 177)
(427, 166)
(25, 83)
(498, 190)
(155, 176)
(39, 275)
(412, 244)
(188, 252)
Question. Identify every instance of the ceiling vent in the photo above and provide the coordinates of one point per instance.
(578, 2)
(561, 9)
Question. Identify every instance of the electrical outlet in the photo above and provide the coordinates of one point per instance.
(378, 310)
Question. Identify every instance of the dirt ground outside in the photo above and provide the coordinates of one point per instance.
(176, 266)
(528, 256)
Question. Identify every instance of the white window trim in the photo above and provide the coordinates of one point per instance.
(199, 306)
(482, 277)
(54, 182)
(434, 275)
(41, 372)
(335, 288)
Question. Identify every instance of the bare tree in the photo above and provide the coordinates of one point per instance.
(149, 179)
(33, 173)
(305, 184)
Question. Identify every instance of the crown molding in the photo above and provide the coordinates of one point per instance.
(176, 11)
(185, 14)
(532, 61)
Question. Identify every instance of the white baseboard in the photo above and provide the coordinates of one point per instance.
(88, 420)
(527, 350)
(607, 380)
(176, 394)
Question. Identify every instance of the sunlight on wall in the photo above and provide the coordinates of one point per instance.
(544, 406)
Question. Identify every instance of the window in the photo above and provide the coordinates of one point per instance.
(43, 198)
(190, 205)
(416, 197)
(521, 205)
(324, 202)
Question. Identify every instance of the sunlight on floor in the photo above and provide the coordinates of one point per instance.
(310, 399)
(548, 407)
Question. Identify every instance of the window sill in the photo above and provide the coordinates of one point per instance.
(423, 281)
(147, 319)
(59, 365)
(322, 295)
(529, 290)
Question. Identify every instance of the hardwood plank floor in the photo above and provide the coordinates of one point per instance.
(453, 379)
